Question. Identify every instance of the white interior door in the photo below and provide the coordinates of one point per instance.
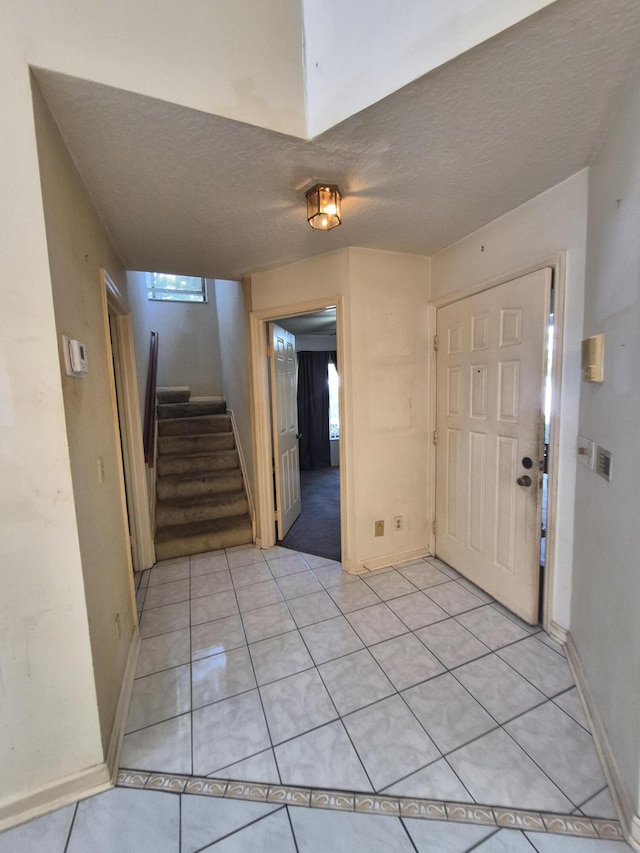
(284, 419)
(490, 438)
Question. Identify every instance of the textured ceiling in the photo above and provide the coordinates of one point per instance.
(185, 191)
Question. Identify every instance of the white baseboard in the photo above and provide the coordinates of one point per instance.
(622, 801)
(391, 560)
(122, 708)
(87, 782)
(558, 633)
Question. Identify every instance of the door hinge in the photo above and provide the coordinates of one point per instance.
(435, 436)
(269, 352)
(433, 527)
(435, 343)
(276, 516)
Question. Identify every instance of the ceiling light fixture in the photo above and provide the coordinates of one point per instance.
(323, 206)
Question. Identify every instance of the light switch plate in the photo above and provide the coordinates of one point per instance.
(586, 451)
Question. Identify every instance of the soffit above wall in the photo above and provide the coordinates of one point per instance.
(185, 191)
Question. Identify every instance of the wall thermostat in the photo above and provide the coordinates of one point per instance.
(75, 357)
(592, 360)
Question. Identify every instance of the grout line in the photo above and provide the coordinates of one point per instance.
(239, 829)
(411, 841)
(257, 689)
(478, 844)
(293, 835)
(190, 681)
(71, 828)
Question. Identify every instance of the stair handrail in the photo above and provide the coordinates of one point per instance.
(149, 428)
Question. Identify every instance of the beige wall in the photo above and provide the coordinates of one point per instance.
(49, 726)
(78, 247)
(605, 612)
(384, 419)
(537, 231)
(232, 323)
(189, 347)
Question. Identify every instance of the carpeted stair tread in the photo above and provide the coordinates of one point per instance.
(189, 485)
(202, 504)
(199, 508)
(198, 537)
(199, 443)
(190, 409)
(182, 463)
(199, 425)
(173, 394)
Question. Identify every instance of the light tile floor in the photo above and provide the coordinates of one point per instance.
(134, 821)
(278, 667)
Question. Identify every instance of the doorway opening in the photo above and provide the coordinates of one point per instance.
(312, 321)
(316, 530)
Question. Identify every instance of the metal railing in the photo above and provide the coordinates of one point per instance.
(149, 426)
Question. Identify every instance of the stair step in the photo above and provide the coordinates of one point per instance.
(172, 512)
(220, 460)
(191, 409)
(189, 485)
(201, 536)
(203, 424)
(173, 394)
(190, 444)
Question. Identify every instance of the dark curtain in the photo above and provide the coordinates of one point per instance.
(313, 409)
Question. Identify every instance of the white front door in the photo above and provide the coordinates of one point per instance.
(490, 367)
(284, 419)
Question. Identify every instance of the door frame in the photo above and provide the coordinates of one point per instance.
(557, 263)
(129, 425)
(261, 415)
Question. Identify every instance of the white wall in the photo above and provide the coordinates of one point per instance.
(188, 342)
(384, 419)
(358, 52)
(215, 57)
(551, 223)
(232, 321)
(605, 613)
(49, 724)
(315, 343)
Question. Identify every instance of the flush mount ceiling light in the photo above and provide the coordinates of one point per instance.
(323, 206)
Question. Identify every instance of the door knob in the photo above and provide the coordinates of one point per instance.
(525, 480)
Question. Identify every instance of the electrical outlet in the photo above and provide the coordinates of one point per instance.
(378, 528)
(398, 522)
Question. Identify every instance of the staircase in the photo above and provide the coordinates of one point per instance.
(201, 501)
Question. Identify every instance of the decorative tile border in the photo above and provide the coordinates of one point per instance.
(289, 796)
(465, 813)
(164, 782)
(378, 805)
(131, 779)
(525, 820)
(569, 825)
(332, 800)
(413, 807)
(426, 809)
